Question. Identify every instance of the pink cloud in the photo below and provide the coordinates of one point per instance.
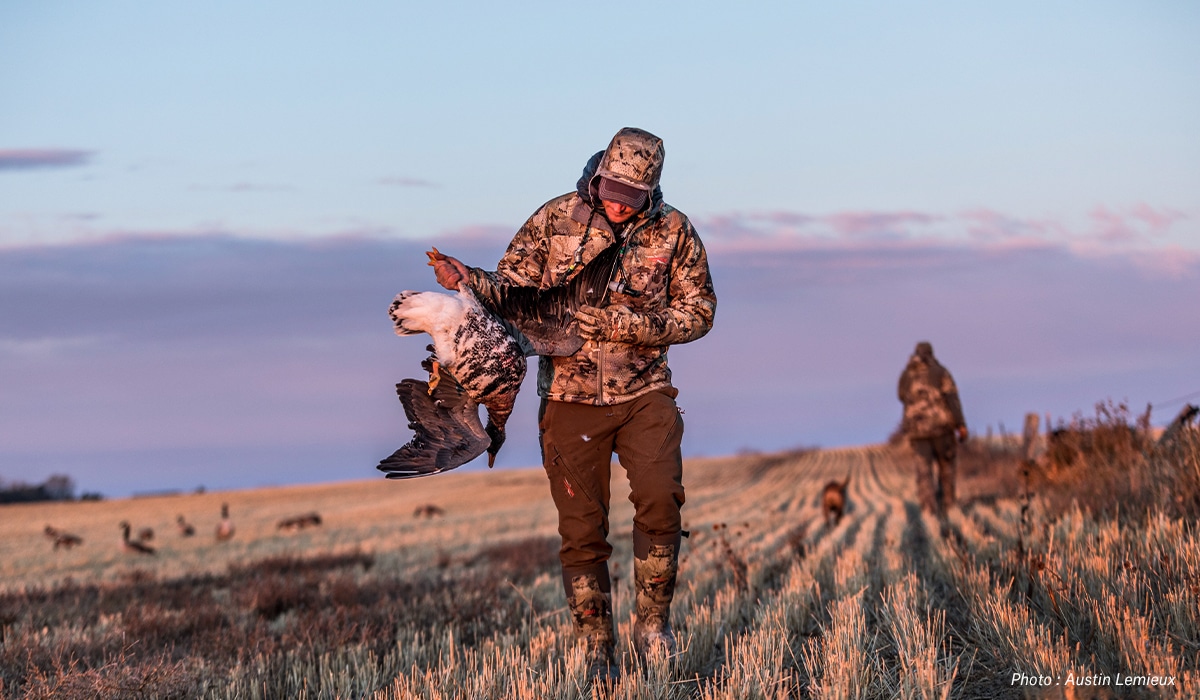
(483, 233)
(787, 218)
(847, 230)
(1110, 226)
(1171, 263)
(30, 158)
(987, 225)
(406, 182)
(858, 223)
(1141, 229)
(998, 231)
(243, 187)
(784, 230)
(1137, 223)
(1158, 220)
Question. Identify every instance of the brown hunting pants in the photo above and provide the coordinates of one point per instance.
(578, 442)
(942, 451)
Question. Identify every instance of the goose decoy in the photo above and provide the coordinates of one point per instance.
(428, 510)
(299, 522)
(133, 546)
(225, 527)
(62, 539)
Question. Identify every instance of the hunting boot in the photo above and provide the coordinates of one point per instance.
(591, 612)
(655, 580)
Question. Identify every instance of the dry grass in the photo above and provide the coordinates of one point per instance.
(1111, 465)
(772, 603)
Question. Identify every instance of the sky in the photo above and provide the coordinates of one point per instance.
(205, 209)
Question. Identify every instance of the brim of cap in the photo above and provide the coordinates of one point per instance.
(614, 191)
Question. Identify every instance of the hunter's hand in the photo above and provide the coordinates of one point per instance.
(593, 323)
(609, 323)
(449, 271)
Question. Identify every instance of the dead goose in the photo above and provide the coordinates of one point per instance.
(479, 352)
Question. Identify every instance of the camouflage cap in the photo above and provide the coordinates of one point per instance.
(634, 157)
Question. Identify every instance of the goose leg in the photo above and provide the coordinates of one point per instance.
(435, 376)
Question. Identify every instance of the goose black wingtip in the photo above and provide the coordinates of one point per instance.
(391, 472)
(447, 431)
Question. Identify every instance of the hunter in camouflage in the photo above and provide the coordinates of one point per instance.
(614, 395)
(660, 294)
(933, 420)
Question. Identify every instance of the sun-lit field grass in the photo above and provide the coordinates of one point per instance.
(378, 602)
(374, 517)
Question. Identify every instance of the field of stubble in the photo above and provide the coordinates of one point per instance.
(378, 602)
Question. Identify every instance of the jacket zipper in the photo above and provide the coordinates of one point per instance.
(600, 372)
(618, 263)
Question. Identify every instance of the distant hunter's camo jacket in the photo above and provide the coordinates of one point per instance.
(930, 398)
(667, 288)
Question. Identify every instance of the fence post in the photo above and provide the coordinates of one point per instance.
(1028, 449)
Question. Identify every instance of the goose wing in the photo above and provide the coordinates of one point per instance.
(546, 318)
(447, 430)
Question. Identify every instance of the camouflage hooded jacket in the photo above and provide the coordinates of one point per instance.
(665, 293)
(930, 397)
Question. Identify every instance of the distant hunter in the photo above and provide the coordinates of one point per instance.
(933, 421)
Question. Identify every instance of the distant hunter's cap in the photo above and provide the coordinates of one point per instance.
(628, 195)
